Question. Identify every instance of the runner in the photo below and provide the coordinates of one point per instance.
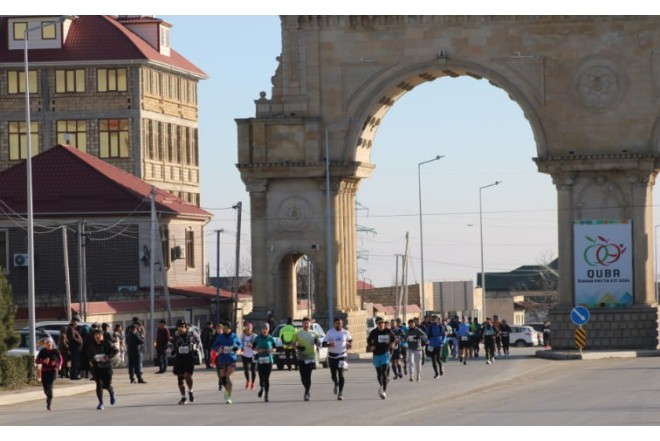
(249, 366)
(489, 332)
(404, 346)
(50, 360)
(506, 338)
(286, 336)
(226, 345)
(381, 342)
(497, 324)
(306, 341)
(263, 346)
(214, 355)
(416, 339)
(184, 343)
(100, 353)
(396, 350)
(338, 340)
(437, 334)
(463, 334)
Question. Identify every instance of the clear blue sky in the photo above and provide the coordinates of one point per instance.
(482, 133)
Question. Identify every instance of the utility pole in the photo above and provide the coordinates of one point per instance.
(67, 281)
(404, 280)
(217, 277)
(239, 208)
(152, 273)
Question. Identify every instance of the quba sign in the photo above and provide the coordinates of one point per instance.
(603, 263)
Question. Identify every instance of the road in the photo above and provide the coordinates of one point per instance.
(517, 391)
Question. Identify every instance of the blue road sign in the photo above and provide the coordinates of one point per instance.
(580, 315)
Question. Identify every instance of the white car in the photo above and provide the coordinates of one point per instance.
(41, 336)
(521, 336)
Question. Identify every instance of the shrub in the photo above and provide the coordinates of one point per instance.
(8, 338)
(17, 371)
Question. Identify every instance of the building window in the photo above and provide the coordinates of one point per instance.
(155, 82)
(48, 31)
(16, 81)
(19, 30)
(111, 80)
(70, 80)
(164, 37)
(165, 243)
(18, 139)
(149, 139)
(113, 138)
(4, 251)
(73, 133)
(190, 249)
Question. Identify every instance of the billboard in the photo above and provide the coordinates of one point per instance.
(603, 263)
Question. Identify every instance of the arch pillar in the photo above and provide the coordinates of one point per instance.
(606, 187)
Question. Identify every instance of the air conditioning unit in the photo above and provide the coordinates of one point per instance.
(20, 259)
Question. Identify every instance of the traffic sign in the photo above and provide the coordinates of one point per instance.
(580, 338)
(580, 315)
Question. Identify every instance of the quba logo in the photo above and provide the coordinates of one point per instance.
(601, 252)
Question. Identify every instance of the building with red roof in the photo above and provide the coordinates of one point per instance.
(106, 214)
(111, 86)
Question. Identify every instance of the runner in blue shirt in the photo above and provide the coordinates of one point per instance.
(226, 345)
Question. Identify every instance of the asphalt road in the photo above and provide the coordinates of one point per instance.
(515, 391)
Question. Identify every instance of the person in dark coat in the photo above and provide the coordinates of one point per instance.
(162, 341)
(75, 347)
(208, 335)
(134, 343)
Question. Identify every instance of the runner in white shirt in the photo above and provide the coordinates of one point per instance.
(338, 340)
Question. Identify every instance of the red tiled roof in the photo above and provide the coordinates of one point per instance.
(66, 181)
(94, 308)
(205, 292)
(97, 38)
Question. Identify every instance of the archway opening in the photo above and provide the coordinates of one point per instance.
(484, 137)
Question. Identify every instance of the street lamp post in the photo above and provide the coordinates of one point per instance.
(28, 173)
(328, 223)
(217, 277)
(421, 230)
(481, 236)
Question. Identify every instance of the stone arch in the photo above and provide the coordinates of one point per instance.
(584, 83)
(284, 288)
(375, 99)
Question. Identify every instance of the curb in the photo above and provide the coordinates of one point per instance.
(595, 355)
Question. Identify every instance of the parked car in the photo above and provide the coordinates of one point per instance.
(54, 325)
(198, 353)
(40, 335)
(279, 356)
(521, 336)
(538, 327)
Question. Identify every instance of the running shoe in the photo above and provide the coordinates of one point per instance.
(112, 399)
(336, 389)
(306, 396)
(191, 396)
(247, 384)
(261, 392)
(340, 397)
(182, 400)
(251, 386)
(100, 407)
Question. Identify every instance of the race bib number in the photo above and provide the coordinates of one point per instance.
(99, 357)
(263, 360)
(464, 338)
(383, 338)
(310, 361)
(227, 350)
(183, 350)
(411, 338)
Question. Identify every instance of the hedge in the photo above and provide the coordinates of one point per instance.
(16, 372)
